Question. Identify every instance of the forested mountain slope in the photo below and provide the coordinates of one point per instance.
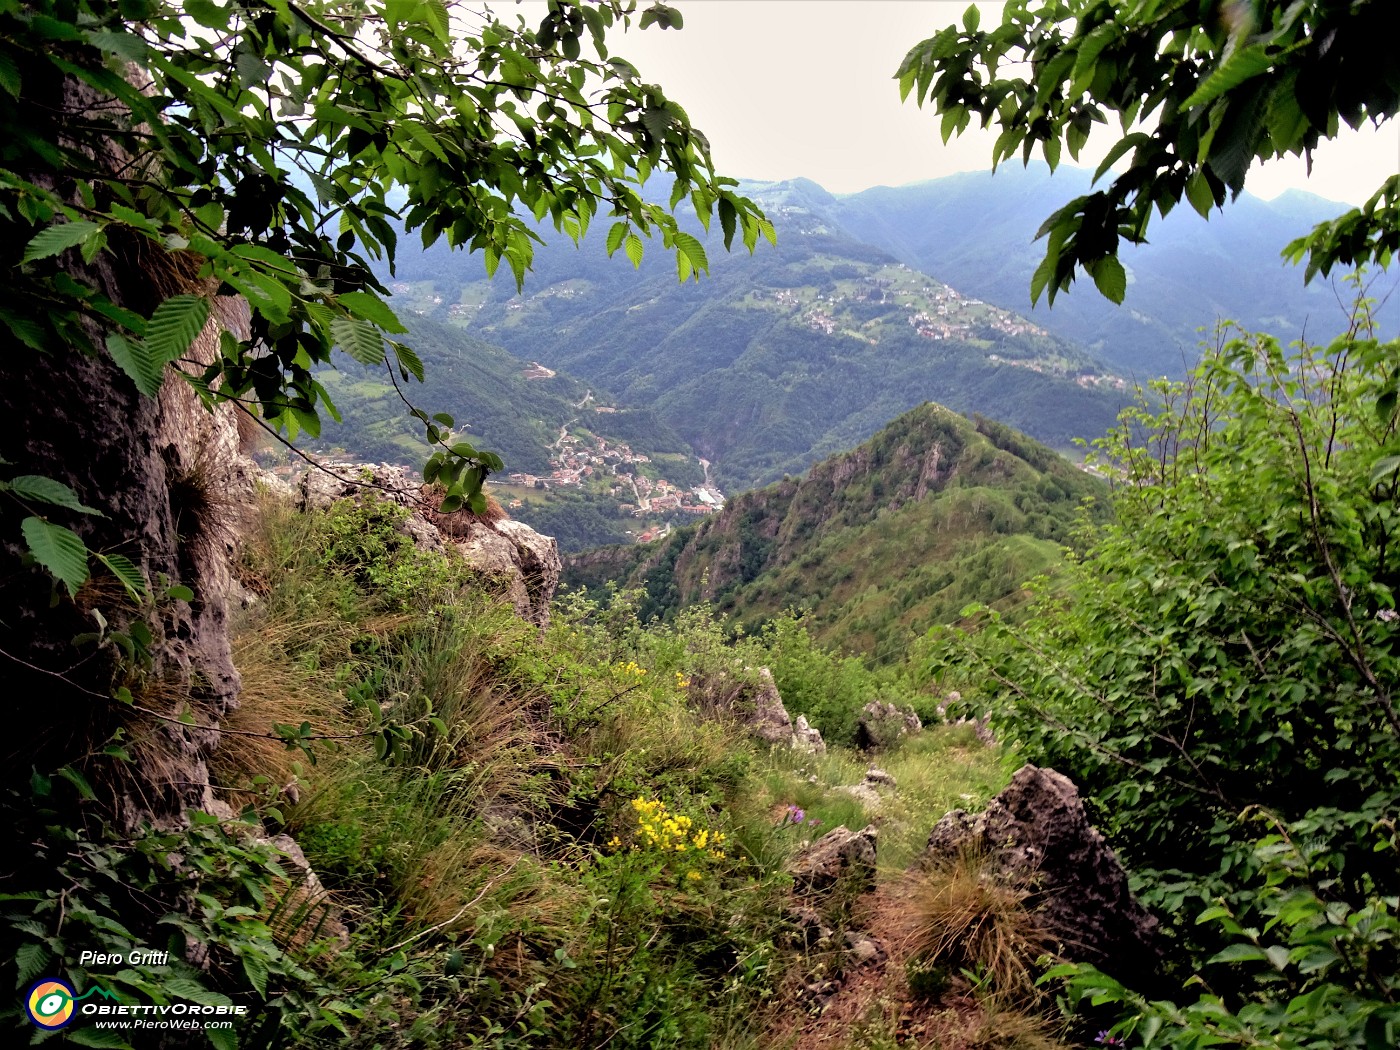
(975, 230)
(881, 542)
(778, 358)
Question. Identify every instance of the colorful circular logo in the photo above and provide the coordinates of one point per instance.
(50, 1004)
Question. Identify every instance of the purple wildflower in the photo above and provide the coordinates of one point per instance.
(796, 815)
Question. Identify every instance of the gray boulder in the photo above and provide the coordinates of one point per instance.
(807, 738)
(881, 725)
(1037, 834)
(841, 856)
(753, 700)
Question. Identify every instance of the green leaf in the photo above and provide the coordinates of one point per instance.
(1119, 148)
(75, 778)
(47, 490)
(1110, 278)
(58, 238)
(1384, 468)
(25, 329)
(372, 308)
(658, 123)
(1044, 274)
(1199, 194)
(175, 324)
(409, 362)
(634, 248)
(145, 367)
(100, 1037)
(126, 571)
(1087, 56)
(185, 988)
(9, 76)
(1242, 65)
(693, 250)
(1239, 953)
(358, 338)
(615, 236)
(57, 549)
(255, 967)
(30, 960)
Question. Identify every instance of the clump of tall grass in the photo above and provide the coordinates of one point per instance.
(964, 917)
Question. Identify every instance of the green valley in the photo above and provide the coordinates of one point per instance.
(781, 358)
(577, 466)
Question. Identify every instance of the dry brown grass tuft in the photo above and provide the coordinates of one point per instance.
(966, 918)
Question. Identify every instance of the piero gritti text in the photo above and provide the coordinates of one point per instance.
(136, 957)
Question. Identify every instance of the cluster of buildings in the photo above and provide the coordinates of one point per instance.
(575, 462)
(948, 317)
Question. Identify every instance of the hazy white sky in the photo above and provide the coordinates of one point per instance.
(805, 87)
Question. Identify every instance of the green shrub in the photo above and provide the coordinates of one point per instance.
(1228, 650)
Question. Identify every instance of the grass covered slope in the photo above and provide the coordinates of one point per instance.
(524, 839)
(881, 542)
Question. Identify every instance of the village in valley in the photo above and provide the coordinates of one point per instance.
(583, 460)
(861, 307)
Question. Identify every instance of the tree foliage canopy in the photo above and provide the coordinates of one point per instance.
(1199, 90)
(275, 149)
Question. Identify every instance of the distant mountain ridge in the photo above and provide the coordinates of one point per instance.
(976, 231)
(881, 542)
(780, 358)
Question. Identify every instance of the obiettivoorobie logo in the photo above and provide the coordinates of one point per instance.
(51, 1003)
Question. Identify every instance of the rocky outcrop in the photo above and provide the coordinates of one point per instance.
(764, 713)
(524, 562)
(871, 791)
(881, 725)
(307, 912)
(807, 738)
(165, 474)
(1037, 834)
(753, 701)
(522, 565)
(840, 857)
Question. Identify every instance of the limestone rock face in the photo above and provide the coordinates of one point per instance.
(806, 738)
(1037, 832)
(759, 707)
(513, 557)
(881, 724)
(767, 718)
(527, 561)
(167, 477)
(839, 856)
